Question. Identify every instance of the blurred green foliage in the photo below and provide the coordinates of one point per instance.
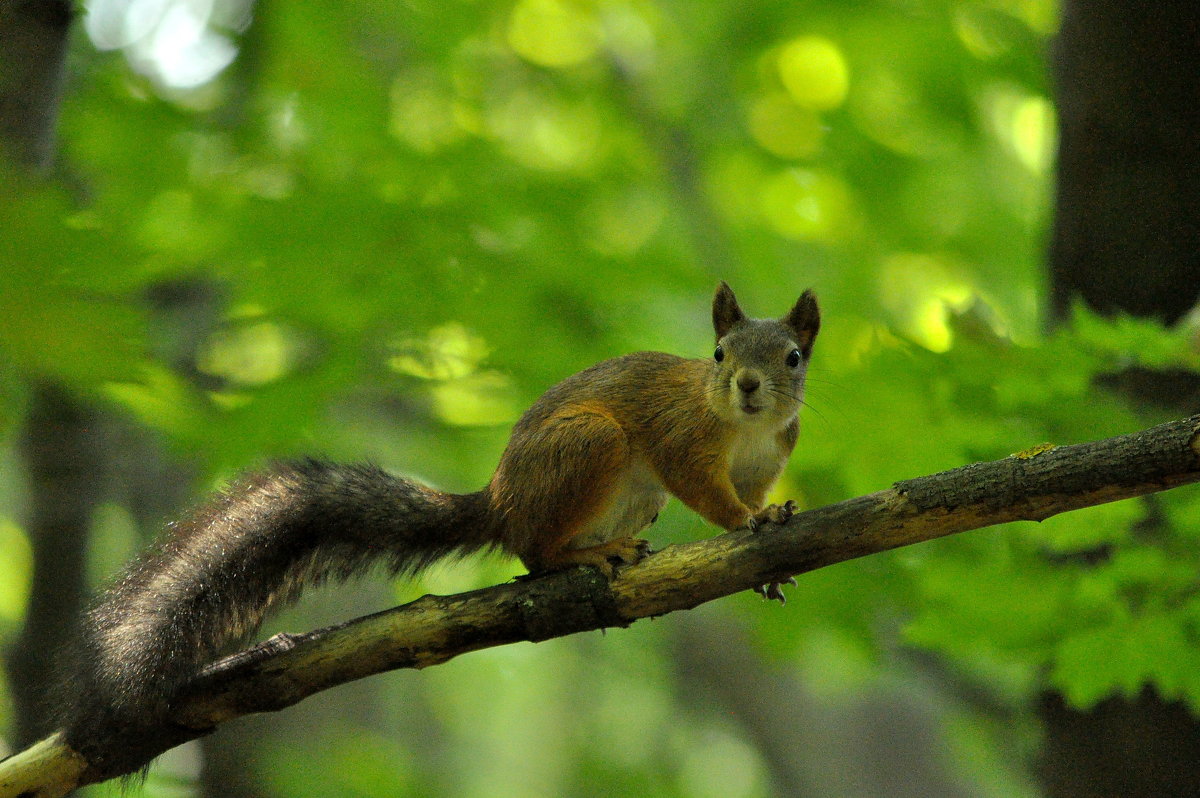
(420, 215)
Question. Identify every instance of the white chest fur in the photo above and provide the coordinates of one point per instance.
(755, 459)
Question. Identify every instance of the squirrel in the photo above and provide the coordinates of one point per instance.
(588, 467)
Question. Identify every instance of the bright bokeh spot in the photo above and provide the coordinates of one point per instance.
(552, 33)
(485, 398)
(159, 397)
(868, 340)
(170, 41)
(184, 51)
(422, 115)
(112, 24)
(1035, 133)
(975, 27)
(17, 557)
(1024, 123)
(286, 125)
(814, 72)
(450, 356)
(254, 354)
(920, 290)
(629, 34)
(1042, 16)
(448, 352)
(783, 128)
(807, 205)
(545, 134)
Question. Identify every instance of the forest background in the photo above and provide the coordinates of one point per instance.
(378, 230)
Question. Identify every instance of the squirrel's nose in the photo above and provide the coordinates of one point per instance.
(748, 383)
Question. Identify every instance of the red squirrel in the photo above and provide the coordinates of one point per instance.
(587, 469)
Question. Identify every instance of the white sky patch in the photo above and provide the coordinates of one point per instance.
(170, 41)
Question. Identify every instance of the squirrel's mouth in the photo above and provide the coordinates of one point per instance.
(751, 409)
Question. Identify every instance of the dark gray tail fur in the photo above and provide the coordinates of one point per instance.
(216, 574)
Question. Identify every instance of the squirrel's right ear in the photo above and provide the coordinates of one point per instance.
(726, 312)
(805, 321)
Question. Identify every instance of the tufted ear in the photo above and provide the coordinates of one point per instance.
(805, 321)
(726, 312)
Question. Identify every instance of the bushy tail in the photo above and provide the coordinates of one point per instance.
(217, 573)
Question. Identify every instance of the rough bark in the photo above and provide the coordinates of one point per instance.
(1031, 485)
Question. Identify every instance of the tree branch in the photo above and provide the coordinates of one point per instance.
(1031, 485)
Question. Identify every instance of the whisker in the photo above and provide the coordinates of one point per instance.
(815, 410)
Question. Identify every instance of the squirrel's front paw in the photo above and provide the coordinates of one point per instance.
(774, 590)
(772, 514)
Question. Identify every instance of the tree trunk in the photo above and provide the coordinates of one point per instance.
(60, 441)
(1126, 239)
(1126, 234)
(33, 47)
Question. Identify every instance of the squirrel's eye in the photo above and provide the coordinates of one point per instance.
(719, 355)
(793, 358)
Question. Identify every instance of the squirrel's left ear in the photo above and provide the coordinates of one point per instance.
(726, 312)
(805, 321)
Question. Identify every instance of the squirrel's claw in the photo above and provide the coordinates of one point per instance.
(774, 590)
(772, 514)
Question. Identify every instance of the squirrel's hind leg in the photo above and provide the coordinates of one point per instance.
(585, 465)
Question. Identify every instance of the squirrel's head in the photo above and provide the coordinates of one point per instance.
(759, 365)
